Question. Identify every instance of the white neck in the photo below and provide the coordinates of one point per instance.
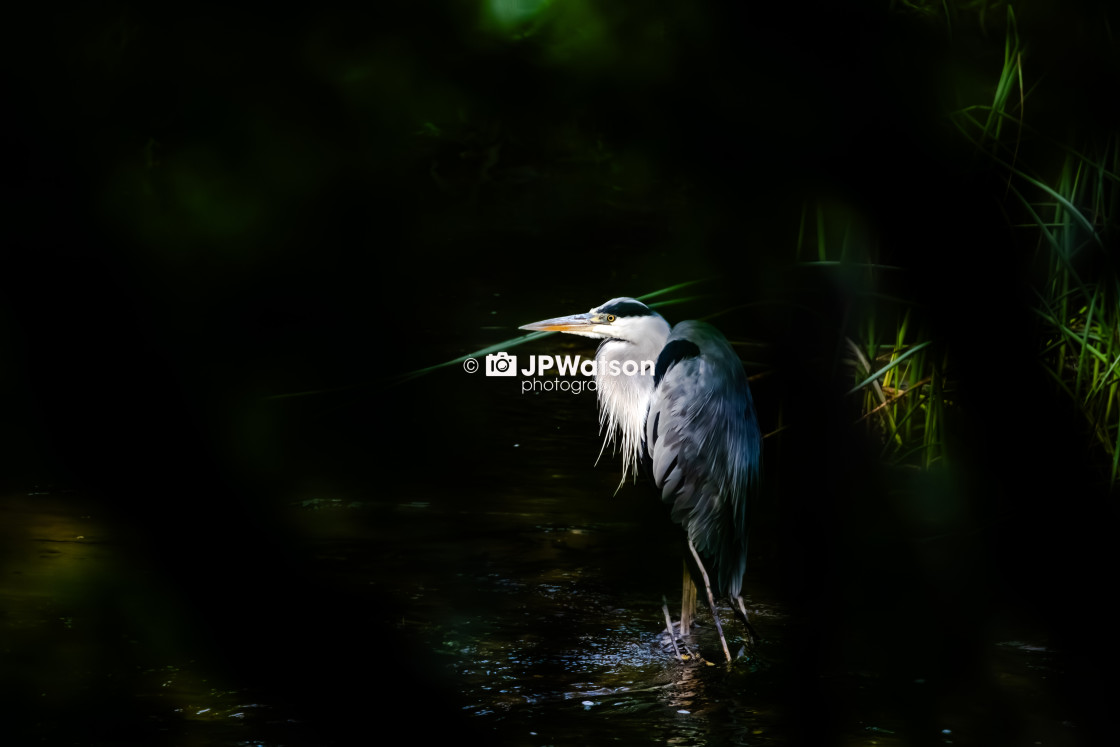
(624, 399)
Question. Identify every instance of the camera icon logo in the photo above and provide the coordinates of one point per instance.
(501, 364)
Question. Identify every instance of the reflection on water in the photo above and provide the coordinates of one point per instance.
(532, 596)
(544, 640)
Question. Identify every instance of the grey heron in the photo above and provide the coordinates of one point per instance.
(688, 421)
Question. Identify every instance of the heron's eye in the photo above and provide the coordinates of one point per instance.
(610, 318)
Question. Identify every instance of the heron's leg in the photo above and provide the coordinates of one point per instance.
(711, 599)
(669, 627)
(688, 602)
(752, 636)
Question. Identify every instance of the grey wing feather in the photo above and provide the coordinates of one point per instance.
(703, 446)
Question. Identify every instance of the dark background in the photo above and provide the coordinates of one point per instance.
(213, 206)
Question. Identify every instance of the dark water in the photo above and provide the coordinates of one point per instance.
(522, 607)
(528, 620)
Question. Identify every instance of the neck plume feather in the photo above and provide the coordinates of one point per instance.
(623, 403)
(624, 399)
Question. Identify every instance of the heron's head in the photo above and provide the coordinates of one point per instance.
(625, 319)
(631, 332)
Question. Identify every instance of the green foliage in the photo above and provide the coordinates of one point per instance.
(901, 381)
(1063, 215)
(1062, 212)
(1079, 313)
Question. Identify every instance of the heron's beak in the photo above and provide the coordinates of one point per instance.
(576, 323)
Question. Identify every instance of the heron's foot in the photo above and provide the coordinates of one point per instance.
(681, 635)
(676, 641)
(752, 637)
(679, 647)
